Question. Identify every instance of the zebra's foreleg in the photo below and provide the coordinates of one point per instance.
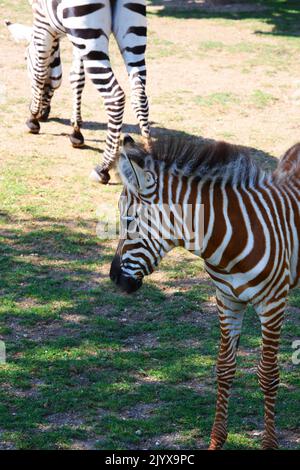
(77, 80)
(53, 81)
(268, 371)
(41, 49)
(231, 315)
(46, 103)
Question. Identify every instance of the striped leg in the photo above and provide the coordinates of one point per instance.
(77, 80)
(93, 48)
(42, 45)
(231, 315)
(271, 317)
(130, 30)
(103, 78)
(53, 80)
(48, 93)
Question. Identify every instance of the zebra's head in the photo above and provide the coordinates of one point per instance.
(141, 244)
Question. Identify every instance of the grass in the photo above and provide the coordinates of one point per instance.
(88, 367)
(219, 98)
(262, 99)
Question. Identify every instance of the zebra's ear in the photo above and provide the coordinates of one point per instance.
(139, 179)
(128, 141)
(134, 176)
(131, 173)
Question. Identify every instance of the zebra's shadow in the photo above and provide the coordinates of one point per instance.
(264, 159)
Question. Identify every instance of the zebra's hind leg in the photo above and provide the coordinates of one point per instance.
(231, 313)
(114, 100)
(130, 31)
(33, 124)
(77, 80)
(271, 316)
(76, 138)
(53, 81)
(46, 103)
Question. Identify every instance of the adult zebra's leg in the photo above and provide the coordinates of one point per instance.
(92, 43)
(231, 313)
(77, 80)
(130, 31)
(48, 93)
(271, 317)
(53, 81)
(39, 53)
(105, 81)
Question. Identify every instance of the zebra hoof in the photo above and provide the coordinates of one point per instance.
(45, 114)
(33, 125)
(77, 139)
(100, 176)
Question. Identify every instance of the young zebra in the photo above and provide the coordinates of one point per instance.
(214, 201)
(88, 24)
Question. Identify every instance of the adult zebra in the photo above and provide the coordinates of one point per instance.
(88, 24)
(250, 243)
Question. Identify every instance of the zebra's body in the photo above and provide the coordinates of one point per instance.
(88, 24)
(250, 244)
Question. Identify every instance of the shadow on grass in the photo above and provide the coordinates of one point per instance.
(75, 343)
(263, 159)
(283, 16)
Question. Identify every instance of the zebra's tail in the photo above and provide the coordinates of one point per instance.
(19, 32)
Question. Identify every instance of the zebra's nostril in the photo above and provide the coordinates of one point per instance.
(129, 284)
(115, 269)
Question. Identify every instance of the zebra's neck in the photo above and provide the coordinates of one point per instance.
(235, 228)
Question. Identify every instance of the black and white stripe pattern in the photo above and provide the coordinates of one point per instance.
(88, 24)
(21, 32)
(53, 75)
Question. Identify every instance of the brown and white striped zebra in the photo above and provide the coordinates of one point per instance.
(250, 223)
(88, 24)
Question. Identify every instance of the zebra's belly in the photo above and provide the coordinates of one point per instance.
(237, 285)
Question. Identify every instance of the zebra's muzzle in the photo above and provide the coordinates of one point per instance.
(126, 283)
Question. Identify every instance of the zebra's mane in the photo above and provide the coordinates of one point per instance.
(207, 160)
(289, 163)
